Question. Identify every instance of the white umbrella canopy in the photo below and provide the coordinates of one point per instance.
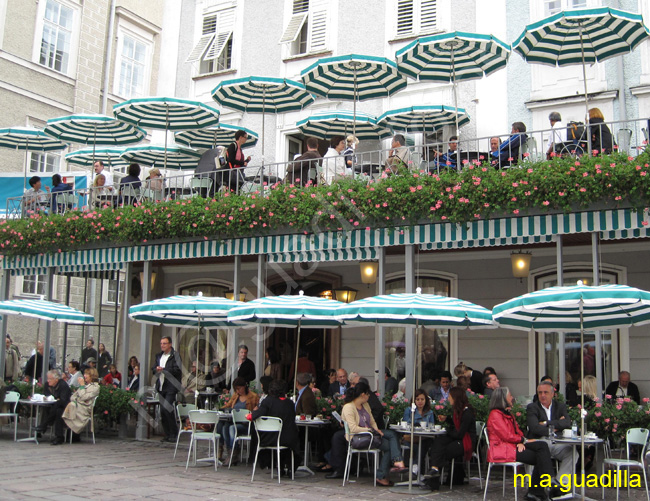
(417, 310)
(98, 130)
(423, 118)
(87, 156)
(326, 124)
(575, 308)
(162, 156)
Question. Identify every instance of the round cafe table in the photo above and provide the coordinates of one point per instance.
(575, 443)
(306, 424)
(34, 404)
(421, 433)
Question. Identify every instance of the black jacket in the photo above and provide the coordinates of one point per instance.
(476, 382)
(172, 371)
(306, 403)
(535, 414)
(29, 367)
(335, 388)
(632, 391)
(299, 169)
(601, 136)
(247, 370)
(467, 425)
(62, 392)
(87, 353)
(283, 409)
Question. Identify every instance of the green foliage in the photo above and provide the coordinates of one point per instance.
(114, 402)
(394, 408)
(478, 192)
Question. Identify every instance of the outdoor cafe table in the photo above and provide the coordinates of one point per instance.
(38, 404)
(421, 433)
(575, 443)
(306, 424)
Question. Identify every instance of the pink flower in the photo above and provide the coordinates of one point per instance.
(389, 190)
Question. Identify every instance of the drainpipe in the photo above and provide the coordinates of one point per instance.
(107, 58)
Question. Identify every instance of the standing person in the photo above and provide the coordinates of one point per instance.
(601, 137)
(245, 366)
(304, 169)
(475, 377)
(12, 362)
(103, 360)
(507, 443)
(53, 414)
(168, 368)
(89, 351)
(544, 414)
(108, 177)
(236, 160)
(460, 439)
(333, 161)
(304, 364)
(273, 368)
(390, 383)
(348, 154)
(557, 135)
(34, 366)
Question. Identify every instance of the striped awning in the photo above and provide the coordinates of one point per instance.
(355, 244)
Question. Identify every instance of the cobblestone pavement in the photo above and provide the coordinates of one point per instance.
(127, 469)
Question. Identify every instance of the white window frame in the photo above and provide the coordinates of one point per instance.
(74, 35)
(312, 25)
(129, 30)
(211, 48)
(538, 7)
(418, 25)
(106, 290)
(19, 283)
(43, 157)
(564, 5)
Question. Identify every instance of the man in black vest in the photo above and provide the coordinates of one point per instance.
(168, 370)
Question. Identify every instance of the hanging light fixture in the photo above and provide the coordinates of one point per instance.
(369, 271)
(345, 294)
(230, 294)
(520, 264)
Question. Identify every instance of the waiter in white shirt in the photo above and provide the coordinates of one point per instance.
(99, 169)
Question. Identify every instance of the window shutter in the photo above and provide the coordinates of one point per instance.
(318, 26)
(428, 15)
(226, 25)
(300, 6)
(207, 36)
(293, 28)
(404, 17)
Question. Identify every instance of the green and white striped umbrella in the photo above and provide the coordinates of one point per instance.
(326, 124)
(599, 34)
(163, 157)
(422, 118)
(29, 139)
(85, 157)
(452, 57)
(353, 77)
(98, 130)
(262, 95)
(222, 134)
(428, 310)
(185, 311)
(45, 310)
(166, 113)
(575, 308)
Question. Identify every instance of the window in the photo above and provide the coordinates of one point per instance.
(34, 285)
(416, 16)
(44, 162)
(306, 31)
(554, 6)
(111, 292)
(133, 57)
(213, 51)
(57, 39)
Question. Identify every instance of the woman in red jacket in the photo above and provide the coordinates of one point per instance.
(507, 443)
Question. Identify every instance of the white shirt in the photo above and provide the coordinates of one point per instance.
(135, 378)
(107, 176)
(163, 362)
(74, 379)
(333, 165)
(557, 135)
(548, 411)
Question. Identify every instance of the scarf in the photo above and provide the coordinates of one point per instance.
(467, 440)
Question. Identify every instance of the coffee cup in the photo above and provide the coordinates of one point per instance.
(403, 424)
(437, 427)
(423, 424)
(566, 433)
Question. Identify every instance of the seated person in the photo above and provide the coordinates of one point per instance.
(113, 377)
(441, 393)
(450, 158)
(623, 388)
(507, 442)
(58, 186)
(74, 374)
(242, 398)
(100, 193)
(508, 153)
(460, 440)
(193, 381)
(80, 409)
(399, 155)
(423, 414)
(53, 414)
(601, 137)
(390, 383)
(276, 404)
(35, 198)
(358, 416)
(305, 398)
(132, 180)
(495, 144)
(134, 380)
(155, 181)
(304, 169)
(216, 378)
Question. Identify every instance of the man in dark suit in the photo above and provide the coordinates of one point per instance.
(623, 388)
(341, 384)
(53, 415)
(543, 414)
(305, 400)
(277, 405)
(298, 171)
(168, 369)
(245, 367)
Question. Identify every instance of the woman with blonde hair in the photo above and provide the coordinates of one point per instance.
(348, 153)
(80, 409)
(601, 136)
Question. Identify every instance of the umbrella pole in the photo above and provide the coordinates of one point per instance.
(166, 127)
(582, 405)
(263, 113)
(584, 79)
(354, 104)
(415, 364)
(295, 370)
(453, 79)
(26, 160)
(196, 376)
(38, 333)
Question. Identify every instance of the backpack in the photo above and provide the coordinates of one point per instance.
(575, 132)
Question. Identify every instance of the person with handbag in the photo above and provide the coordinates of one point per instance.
(235, 161)
(358, 416)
